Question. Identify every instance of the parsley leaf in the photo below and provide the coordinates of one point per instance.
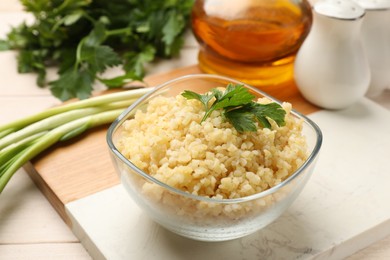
(271, 110)
(99, 58)
(73, 83)
(204, 99)
(135, 61)
(233, 96)
(239, 108)
(241, 120)
(175, 24)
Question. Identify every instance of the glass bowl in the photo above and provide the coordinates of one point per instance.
(203, 218)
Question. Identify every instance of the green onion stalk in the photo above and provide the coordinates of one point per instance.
(22, 140)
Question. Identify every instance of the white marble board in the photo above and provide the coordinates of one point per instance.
(344, 207)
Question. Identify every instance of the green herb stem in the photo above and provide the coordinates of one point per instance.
(23, 139)
(8, 152)
(119, 31)
(130, 95)
(45, 141)
(46, 124)
(6, 132)
(59, 119)
(78, 54)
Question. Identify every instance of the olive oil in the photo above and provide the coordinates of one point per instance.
(251, 40)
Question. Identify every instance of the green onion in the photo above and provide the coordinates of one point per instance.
(22, 140)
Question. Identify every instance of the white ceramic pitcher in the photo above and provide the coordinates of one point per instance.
(331, 68)
(376, 38)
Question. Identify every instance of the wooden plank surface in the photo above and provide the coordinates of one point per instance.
(25, 217)
(82, 166)
(44, 251)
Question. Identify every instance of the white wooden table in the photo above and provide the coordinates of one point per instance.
(29, 227)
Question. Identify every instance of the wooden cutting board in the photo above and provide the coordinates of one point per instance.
(80, 167)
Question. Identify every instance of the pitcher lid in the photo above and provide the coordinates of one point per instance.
(374, 4)
(345, 10)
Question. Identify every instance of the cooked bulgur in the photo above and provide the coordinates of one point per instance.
(210, 159)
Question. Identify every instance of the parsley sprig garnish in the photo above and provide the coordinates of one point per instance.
(239, 108)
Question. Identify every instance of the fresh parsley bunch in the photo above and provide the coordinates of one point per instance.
(239, 108)
(85, 37)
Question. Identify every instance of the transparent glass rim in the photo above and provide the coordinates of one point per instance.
(122, 117)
